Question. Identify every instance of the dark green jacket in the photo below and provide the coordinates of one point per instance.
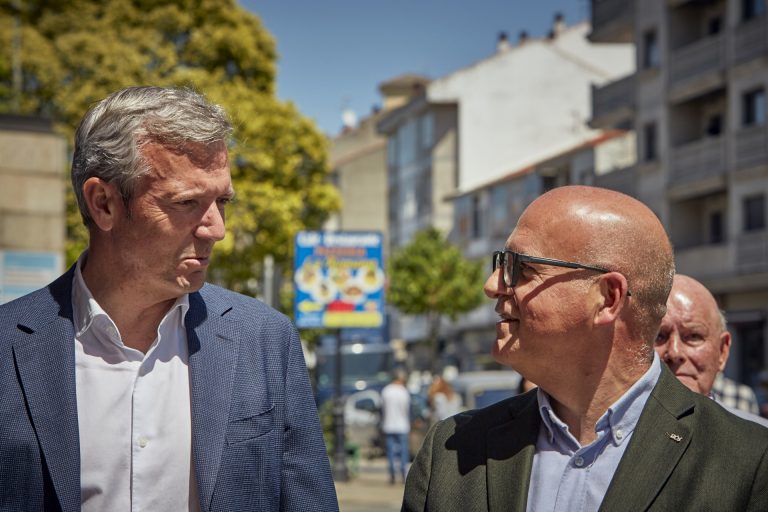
(687, 453)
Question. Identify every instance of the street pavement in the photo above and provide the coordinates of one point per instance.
(369, 489)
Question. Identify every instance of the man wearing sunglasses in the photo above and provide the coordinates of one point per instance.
(580, 288)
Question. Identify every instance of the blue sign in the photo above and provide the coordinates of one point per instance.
(22, 272)
(339, 279)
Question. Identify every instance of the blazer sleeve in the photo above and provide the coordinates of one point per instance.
(306, 479)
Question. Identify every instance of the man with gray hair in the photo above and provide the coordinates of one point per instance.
(129, 383)
(694, 342)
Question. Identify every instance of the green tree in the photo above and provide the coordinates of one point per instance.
(431, 277)
(75, 52)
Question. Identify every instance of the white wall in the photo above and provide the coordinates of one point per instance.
(529, 103)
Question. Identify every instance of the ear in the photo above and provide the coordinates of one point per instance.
(103, 201)
(725, 349)
(613, 290)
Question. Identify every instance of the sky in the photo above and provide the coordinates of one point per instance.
(333, 54)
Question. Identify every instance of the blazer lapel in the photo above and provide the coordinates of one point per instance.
(213, 350)
(44, 355)
(661, 437)
(510, 449)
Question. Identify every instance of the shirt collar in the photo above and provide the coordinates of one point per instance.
(85, 309)
(621, 417)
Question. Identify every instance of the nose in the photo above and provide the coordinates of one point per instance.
(495, 287)
(211, 226)
(673, 353)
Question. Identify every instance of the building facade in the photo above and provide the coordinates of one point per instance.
(697, 103)
(32, 204)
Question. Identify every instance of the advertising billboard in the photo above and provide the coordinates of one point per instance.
(339, 279)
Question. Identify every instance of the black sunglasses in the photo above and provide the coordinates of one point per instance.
(510, 262)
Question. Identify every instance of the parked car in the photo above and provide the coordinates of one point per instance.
(483, 388)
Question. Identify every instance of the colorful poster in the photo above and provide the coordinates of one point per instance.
(339, 279)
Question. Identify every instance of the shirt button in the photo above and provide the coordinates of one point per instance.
(619, 434)
(143, 442)
(578, 462)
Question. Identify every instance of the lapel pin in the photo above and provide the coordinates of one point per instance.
(675, 437)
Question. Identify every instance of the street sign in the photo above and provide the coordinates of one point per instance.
(339, 279)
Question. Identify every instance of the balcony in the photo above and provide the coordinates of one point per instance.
(751, 147)
(752, 252)
(704, 261)
(750, 39)
(697, 167)
(613, 104)
(697, 68)
(612, 21)
(620, 180)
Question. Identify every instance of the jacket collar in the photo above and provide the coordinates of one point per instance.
(510, 450)
(663, 433)
(213, 334)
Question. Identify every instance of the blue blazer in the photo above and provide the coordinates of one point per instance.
(256, 439)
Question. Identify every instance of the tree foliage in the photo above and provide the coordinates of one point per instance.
(76, 52)
(431, 277)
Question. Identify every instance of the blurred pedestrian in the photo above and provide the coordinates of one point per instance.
(694, 342)
(444, 402)
(131, 384)
(396, 423)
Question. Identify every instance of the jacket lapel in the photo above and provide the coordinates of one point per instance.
(510, 449)
(661, 437)
(213, 350)
(44, 355)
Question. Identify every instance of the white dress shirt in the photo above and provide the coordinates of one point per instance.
(133, 412)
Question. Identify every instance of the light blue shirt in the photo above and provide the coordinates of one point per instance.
(568, 476)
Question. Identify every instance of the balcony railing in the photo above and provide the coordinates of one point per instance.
(750, 39)
(696, 59)
(751, 146)
(698, 160)
(621, 180)
(612, 20)
(614, 101)
(752, 252)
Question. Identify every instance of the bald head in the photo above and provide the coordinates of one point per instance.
(610, 230)
(692, 339)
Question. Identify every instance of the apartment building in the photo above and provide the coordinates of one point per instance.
(697, 102)
(526, 104)
(358, 160)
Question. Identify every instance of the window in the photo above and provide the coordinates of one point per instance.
(426, 131)
(716, 228)
(650, 50)
(548, 183)
(752, 9)
(754, 213)
(392, 151)
(715, 125)
(753, 107)
(477, 217)
(714, 25)
(649, 142)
